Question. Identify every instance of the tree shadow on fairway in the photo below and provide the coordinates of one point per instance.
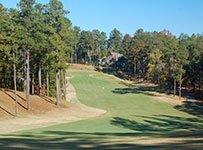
(139, 89)
(161, 124)
(60, 140)
(160, 132)
(191, 108)
(132, 91)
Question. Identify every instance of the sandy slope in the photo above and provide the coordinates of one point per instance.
(75, 112)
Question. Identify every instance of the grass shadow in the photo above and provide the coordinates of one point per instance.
(152, 129)
(87, 141)
(131, 91)
(160, 124)
(193, 108)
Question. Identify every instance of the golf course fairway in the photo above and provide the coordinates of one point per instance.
(135, 119)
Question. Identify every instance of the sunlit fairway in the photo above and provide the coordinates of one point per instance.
(134, 120)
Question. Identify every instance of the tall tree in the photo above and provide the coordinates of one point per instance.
(181, 57)
(27, 43)
(115, 41)
(99, 45)
(138, 54)
(8, 41)
(86, 46)
(57, 27)
(5, 45)
(14, 42)
(126, 44)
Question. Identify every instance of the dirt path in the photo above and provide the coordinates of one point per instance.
(75, 112)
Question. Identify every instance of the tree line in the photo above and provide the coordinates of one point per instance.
(36, 42)
(160, 57)
(34, 48)
(164, 59)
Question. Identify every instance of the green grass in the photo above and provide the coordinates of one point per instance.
(130, 113)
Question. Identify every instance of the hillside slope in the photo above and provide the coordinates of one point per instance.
(39, 104)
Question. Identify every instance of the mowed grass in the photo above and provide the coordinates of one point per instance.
(131, 114)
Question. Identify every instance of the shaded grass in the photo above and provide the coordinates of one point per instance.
(132, 114)
(193, 108)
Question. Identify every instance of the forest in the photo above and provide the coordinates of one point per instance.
(38, 40)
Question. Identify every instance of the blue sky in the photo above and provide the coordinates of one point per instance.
(178, 16)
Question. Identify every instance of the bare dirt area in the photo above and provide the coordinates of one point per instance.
(81, 67)
(39, 104)
(44, 112)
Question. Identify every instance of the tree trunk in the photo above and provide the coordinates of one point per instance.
(33, 83)
(85, 59)
(194, 79)
(138, 69)
(199, 82)
(76, 55)
(57, 87)
(71, 59)
(40, 79)
(76, 58)
(10, 78)
(47, 80)
(194, 86)
(174, 87)
(62, 78)
(94, 60)
(43, 91)
(180, 85)
(24, 72)
(180, 90)
(57, 81)
(134, 69)
(89, 58)
(64, 84)
(28, 81)
(170, 76)
(14, 79)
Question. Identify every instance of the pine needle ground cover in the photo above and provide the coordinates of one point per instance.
(134, 120)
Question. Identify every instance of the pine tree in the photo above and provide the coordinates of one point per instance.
(57, 27)
(115, 41)
(27, 41)
(181, 57)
